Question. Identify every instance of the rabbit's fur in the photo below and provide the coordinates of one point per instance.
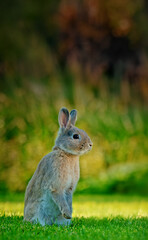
(48, 197)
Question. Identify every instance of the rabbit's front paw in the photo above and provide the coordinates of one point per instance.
(66, 214)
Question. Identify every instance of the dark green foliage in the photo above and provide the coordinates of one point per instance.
(122, 178)
(29, 124)
(88, 55)
(93, 39)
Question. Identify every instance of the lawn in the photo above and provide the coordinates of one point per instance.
(94, 217)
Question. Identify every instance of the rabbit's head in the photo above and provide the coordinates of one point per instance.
(70, 138)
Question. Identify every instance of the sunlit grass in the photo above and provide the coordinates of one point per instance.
(92, 206)
(95, 217)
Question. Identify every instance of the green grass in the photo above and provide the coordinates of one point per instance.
(94, 217)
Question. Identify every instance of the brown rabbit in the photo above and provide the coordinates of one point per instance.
(48, 197)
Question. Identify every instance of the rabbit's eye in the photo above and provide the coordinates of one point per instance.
(76, 136)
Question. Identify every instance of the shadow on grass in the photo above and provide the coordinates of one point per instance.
(100, 198)
(19, 197)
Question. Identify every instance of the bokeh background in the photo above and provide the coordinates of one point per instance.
(91, 55)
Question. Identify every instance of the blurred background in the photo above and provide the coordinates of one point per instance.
(90, 55)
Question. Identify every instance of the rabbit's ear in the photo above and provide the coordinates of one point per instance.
(63, 117)
(73, 116)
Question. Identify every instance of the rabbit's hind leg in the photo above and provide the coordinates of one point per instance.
(60, 220)
(31, 213)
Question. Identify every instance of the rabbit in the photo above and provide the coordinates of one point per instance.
(48, 196)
